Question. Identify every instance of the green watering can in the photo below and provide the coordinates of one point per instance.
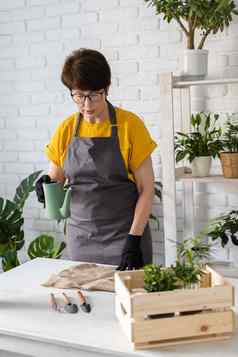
(57, 200)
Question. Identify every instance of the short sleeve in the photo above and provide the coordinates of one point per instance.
(55, 150)
(141, 143)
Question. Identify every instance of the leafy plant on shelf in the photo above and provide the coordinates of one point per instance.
(203, 16)
(230, 136)
(224, 227)
(203, 140)
(11, 228)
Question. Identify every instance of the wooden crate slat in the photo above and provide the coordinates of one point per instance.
(181, 300)
(217, 279)
(137, 277)
(206, 280)
(181, 326)
(124, 295)
(179, 341)
(124, 320)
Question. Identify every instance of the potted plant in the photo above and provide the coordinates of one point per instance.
(11, 228)
(192, 255)
(201, 144)
(229, 157)
(180, 276)
(225, 229)
(194, 250)
(204, 17)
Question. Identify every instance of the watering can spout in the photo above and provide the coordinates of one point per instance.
(65, 209)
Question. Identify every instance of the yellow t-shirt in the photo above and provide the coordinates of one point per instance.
(134, 139)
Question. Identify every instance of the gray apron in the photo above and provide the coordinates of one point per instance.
(103, 199)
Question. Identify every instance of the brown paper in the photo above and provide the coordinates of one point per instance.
(85, 276)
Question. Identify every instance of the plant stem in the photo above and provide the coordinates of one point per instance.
(182, 26)
(190, 36)
(201, 43)
(195, 22)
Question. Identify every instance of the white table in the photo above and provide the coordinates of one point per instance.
(27, 326)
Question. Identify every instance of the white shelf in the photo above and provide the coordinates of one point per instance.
(182, 176)
(170, 175)
(178, 82)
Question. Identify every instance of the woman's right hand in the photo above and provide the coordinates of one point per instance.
(39, 187)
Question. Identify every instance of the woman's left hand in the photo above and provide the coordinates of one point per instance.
(131, 255)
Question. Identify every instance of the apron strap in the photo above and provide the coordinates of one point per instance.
(112, 117)
(76, 129)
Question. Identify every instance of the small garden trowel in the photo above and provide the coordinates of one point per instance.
(82, 301)
(69, 307)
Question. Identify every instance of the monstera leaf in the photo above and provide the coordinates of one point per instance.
(11, 222)
(44, 246)
(10, 260)
(24, 189)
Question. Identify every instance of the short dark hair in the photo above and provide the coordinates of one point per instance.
(86, 69)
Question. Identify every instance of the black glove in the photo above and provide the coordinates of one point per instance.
(39, 187)
(131, 255)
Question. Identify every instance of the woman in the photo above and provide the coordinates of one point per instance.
(104, 153)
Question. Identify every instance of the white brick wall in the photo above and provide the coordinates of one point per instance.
(35, 37)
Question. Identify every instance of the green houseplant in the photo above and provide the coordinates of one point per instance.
(186, 273)
(181, 275)
(199, 145)
(11, 227)
(204, 17)
(224, 228)
(229, 155)
(158, 193)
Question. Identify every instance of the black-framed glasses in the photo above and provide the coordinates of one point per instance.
(93, 97)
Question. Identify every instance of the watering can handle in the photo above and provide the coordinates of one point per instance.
(66, 183)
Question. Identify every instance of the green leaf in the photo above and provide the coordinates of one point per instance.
(156, 219)
(180, 155)
(25, 188)
(11, 226)
(10, 260)
(45, 246)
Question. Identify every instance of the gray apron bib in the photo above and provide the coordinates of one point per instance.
(103, 199)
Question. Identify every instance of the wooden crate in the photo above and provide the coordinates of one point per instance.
(174, 317)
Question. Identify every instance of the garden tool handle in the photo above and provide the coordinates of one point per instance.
(82, 299)
(66, 299)
(52, 301)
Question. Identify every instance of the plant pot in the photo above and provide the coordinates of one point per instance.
(195, 63)
(201, 166)
(229, 162)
